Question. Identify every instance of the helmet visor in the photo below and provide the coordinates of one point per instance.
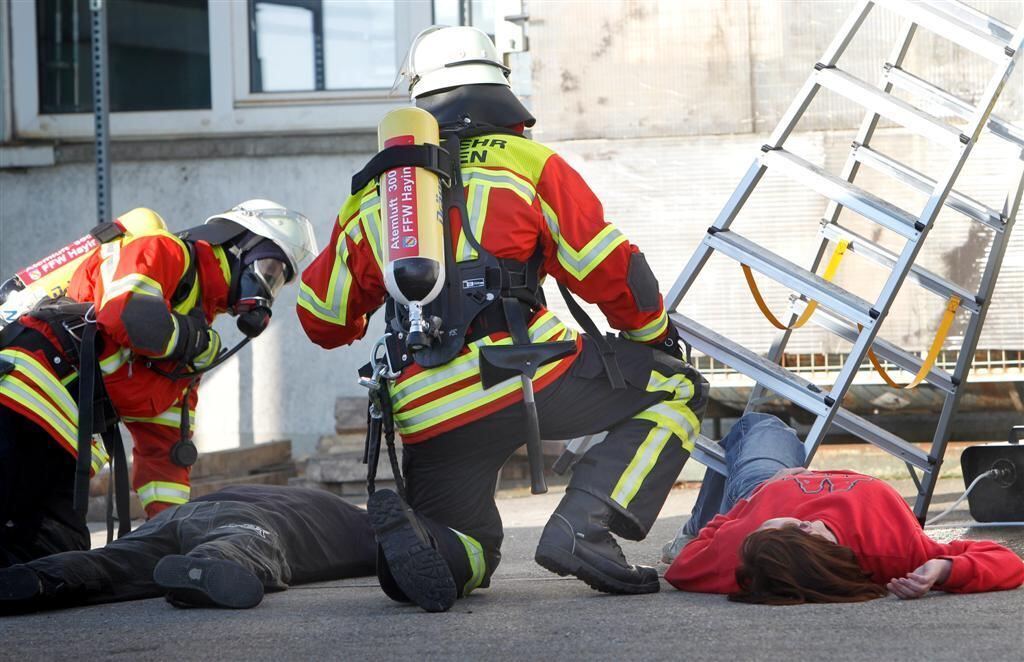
(272, 273)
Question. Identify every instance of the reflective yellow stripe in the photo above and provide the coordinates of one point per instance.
(470, 397)
(476, 207)
(499, 179)
(132, 283)
(32, 369)
(222, 262)
(369, 216)
(650, 331)
(113, 363)
(644, 460)
(334, 307)
(579, 263)
(176, 493)
(477, 564)
(20, 392)
(671, 417)
(14, 388)
(170, 418)
(172, 342)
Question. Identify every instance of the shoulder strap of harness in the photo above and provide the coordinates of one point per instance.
(188, 280)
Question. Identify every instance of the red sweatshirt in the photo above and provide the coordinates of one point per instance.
(864, 513)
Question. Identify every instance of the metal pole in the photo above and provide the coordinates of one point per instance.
(101, 105)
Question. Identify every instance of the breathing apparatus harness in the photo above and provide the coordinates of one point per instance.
(74, 326)
(479, 297)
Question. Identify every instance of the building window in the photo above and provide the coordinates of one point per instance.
(316, 45)
(158, 54)
(477, 13)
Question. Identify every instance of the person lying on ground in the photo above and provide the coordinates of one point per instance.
(220, 550)
(782, 534)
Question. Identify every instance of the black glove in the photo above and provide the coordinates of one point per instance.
(194, 336)
(673, 345)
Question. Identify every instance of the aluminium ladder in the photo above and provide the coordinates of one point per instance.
(843, 313)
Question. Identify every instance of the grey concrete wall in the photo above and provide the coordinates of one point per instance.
(282, 386)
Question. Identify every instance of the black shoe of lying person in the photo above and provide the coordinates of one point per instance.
(205, 582)
(21, 591)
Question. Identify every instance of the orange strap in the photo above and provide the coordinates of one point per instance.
(933, 353)
(830, 272)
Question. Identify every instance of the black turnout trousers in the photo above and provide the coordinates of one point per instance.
(37, 479)
(284, 535)
(451, 478)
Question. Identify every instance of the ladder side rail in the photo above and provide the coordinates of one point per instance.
(992, 91)
(884, 301)
(725, 218)
(970, 344)
(849, 172)
(810, 88)
(975, 19)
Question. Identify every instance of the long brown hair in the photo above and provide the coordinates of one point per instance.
(786, 566)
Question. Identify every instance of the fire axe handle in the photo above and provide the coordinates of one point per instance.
(534, 452)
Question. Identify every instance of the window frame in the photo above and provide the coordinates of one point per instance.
(234, 110)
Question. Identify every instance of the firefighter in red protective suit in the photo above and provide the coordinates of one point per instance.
(536, 215)
(150, 300)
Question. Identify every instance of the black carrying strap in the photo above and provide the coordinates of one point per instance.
(611, 364)
(429, 157)
(87, 374)
(89, 384)
(105, 232)
(118, 490)
(188, 280)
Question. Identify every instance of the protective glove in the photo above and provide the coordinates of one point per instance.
(195, 339)
(671, 344)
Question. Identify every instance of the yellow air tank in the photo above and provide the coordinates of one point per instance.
(413, 221)
(50, 276)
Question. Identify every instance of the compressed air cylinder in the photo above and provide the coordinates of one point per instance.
(411, 214)
(50, 276)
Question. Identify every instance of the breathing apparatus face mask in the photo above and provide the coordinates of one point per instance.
(261, 280)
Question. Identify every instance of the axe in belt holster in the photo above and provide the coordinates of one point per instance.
(523, 358)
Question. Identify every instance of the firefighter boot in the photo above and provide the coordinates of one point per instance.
(207, 582)
(412, 568)
(576, 541)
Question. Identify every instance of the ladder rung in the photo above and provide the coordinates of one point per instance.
(954, 104)
(904, 173)
(976, 20)
(883, 349)
(881, 102)
(883, 256)
(797, 278)
(884, 439)
(710, 454)
(839, 190)
(790, 386)
(951, 27)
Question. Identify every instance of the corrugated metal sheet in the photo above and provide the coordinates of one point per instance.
(665, 192)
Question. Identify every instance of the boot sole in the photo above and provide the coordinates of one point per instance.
(563, 564)
(208, 582)
(418, 569)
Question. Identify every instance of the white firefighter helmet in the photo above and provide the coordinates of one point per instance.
(445, 57)
(289, 230)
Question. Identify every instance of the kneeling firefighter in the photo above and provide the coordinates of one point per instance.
(128, 343)
(469, 337)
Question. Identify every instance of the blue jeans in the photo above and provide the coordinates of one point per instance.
(757, 446)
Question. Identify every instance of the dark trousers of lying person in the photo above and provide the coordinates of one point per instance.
(223, 549)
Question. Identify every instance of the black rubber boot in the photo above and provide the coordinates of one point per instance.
(576, 541)
(412, 560)
(21, 591)
(204, 582)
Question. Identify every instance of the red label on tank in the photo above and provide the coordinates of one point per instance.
(402, 224)
(56, 260)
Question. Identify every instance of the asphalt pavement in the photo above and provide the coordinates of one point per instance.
(529, 613)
